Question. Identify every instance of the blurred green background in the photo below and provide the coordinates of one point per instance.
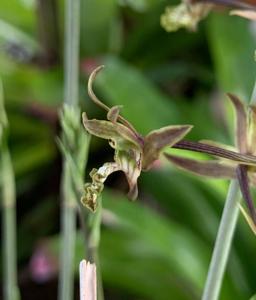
(158, 247)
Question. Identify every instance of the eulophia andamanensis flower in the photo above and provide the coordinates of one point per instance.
(133, 152)
(240, 165)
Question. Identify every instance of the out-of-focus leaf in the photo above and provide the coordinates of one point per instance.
(29, 157)
(157, 235)
(233, 56)
(144, 105)
(146, 255)
(31, 84)
(139, 5)
(19, 13)
(12, 34)
(98, 19)
(195, 204)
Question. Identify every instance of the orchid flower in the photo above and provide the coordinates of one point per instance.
(132, 152)
(240, 165)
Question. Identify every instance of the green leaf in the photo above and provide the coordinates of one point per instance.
(232, 45)
(99, 21)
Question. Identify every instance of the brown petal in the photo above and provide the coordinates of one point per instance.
(247, 14)
(242, 177)
(248, 219)
(91, 93)
(113, 113)
(213, 169)
(157, 140)
(252, 129)
(96, 100)
(108, 130)
(246, 159)
(218, 145)
(241, 123)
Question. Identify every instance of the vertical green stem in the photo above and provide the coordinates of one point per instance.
(72, 33)
(223, 243)
(94, 241)
(71, 97)
(68, 214)
(9, 227)
(7, 180)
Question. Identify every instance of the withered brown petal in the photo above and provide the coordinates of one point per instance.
(157, 140)
(252, 129)
(241, 123)
(113, 113)
(213, 169)
(242, 177)
(108, 130)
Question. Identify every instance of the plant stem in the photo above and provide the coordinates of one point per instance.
(94, 241)
(10, 282)
(223, 243)
(66, 279)
(72, 33)
(11, 291)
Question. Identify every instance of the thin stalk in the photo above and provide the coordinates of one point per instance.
(224, 238)
(66, 279)
(68, 214)
(223, 243)
(10, 285)
(94, 241)
(10, 282)
(72, 36)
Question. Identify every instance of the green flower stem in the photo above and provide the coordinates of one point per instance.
(224, 237)
(68, 214)
(223, 243)
(10, 285)
(69, 206)
(94, 241)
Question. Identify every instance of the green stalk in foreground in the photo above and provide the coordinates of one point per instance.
(224, 237)
(223, 243)
(10, 285)
(94, 241)
(75, 142)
